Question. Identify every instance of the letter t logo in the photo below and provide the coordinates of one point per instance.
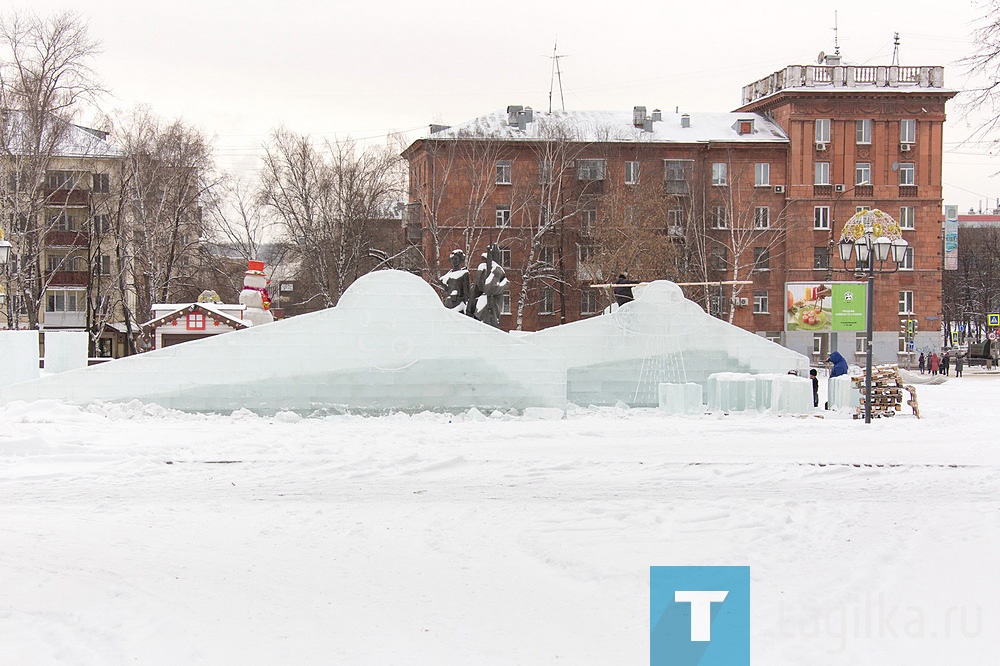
(701, 610)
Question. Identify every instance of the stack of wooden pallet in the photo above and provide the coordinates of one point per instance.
(887, 392)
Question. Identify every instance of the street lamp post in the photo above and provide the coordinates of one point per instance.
(872, 236)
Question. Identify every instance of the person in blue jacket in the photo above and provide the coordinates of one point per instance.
(839, 364)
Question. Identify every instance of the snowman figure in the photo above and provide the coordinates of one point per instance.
(254, 295)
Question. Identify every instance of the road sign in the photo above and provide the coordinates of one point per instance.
(910, 345)
(992, 335)
(993, 320)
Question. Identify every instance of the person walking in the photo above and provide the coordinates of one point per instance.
(921, 362)
(945, 363)
(958, 365)
(815, 382)
(935, 363)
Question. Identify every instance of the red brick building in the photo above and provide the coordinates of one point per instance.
(756, 197)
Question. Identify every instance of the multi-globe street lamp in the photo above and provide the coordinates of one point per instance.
(872, 235)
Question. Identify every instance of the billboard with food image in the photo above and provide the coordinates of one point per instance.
(825, 306)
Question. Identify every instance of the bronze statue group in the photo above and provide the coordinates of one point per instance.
(482, 298)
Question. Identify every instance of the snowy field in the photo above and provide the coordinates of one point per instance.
(133, 534)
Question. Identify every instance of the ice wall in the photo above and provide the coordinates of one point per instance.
(18, 356)
(661, 337)
(391, 344)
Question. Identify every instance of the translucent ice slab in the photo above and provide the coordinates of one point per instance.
(65, 350)
(18, 356)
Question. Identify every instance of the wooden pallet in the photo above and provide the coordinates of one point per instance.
(887, 393)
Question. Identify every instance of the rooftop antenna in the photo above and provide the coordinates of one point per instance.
(556, 75)
(895, 48)
(836, 43)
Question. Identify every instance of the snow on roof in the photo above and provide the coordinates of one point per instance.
(220, 311)
(618, 127)
(76, 141)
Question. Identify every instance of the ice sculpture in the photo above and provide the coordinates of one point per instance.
(842, 393)
(389, 344)
(681, 398)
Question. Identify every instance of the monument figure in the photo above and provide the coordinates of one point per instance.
(456, 283)
(489, 288)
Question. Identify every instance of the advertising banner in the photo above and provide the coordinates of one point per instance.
(951, 238)
(825, 306)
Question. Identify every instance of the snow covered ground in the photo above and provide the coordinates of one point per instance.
(133, 534)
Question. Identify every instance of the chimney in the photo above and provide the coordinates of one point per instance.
(657, 116)
(513, 112)
(638, 115)
(685, 120)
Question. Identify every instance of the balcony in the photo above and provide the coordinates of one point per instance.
(66, 197)
(65, 320)
(69, 278)
(67, 239)
(864, 191)
(822, 190)
(907, 191)
(679, 188)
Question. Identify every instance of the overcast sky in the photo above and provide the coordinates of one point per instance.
(239, 69)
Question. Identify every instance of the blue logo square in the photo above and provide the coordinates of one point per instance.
(699, 616)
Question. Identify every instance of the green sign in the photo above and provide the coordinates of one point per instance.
(825, 306)
(850, 306)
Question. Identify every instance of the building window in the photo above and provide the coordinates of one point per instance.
(590, 169)
(907, 264)
(762, 174)
(503, 215)
(54, 262)
(817, 343)
(760, 301)
(761, 259)
(505, 303)
(863, 131)
(822, 130)
(588, 218)
(99, 224)
(675, 222)
(589, 302)
(861, 209)
(546, 256)
(907, 217)
(676, 170)
(719, 173)
(63, 301)
(505, 256)
(101, 182)
(717, 305)
(105, 264)
(821, 258)
(905, 302)
(718, 259)
(720, 217)
(903, 342)
(821, 217)
(907, 174)
(861, 343)
(862, 173)
(585, 253)
(822, 173)
(908, 131)
(196, 321)
(773, 336)
(546, 172)
(631, 173)
(59, 180)
(547, 304)
(761, 217)
(503, 172)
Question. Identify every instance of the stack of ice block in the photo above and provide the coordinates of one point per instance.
(783, 394)
(731, 391)
(681, 398)
(841, 393)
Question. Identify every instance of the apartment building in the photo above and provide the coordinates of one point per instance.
(742, 202)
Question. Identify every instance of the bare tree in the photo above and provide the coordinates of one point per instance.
(984, 67)
(166, 178)
(326, 200)
(44, 77)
